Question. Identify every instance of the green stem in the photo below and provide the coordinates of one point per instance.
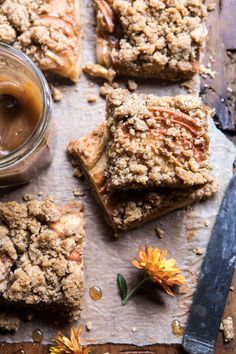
(131, 293)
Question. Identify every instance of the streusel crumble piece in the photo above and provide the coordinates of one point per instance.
(156, 141)
(46, 30)
(41, 255)
(151, 38)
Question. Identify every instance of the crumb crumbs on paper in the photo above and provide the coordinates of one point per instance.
(107, 88)
(211, 6)
(229, 89)
(91, 98)
(78, 193)
(40, 193)
(191, 234)
(207, 222)
(159, 232)
(97, 70)
(132, 85)
(57, 93)
(28, 197)
(189, 85)
(227, 327)
(134, 329)
(211, 58)
(89, 325)
(198, 251)
(77, 172)
(232, 288)
(206, 71)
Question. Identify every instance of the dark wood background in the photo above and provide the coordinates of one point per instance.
(218, 92)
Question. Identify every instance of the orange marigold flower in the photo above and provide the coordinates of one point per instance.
(65, 345)
(159, 269)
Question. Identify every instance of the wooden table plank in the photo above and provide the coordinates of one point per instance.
(220, 57)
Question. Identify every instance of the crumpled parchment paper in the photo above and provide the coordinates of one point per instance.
(148, 316)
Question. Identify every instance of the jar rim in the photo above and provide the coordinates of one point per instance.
(35, 139)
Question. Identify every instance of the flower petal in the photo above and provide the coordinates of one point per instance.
(160, 270)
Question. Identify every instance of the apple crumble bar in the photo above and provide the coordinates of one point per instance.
(46, 30)
(151, 38)
(128, 209)
(41, 255)
(156, 141)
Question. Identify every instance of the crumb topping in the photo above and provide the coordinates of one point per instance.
(37, 241)
(45, 31)
(156, 141)
(151, 37)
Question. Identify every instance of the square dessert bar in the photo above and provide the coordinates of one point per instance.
(151, 38)
(156, 141)
(47, 31)
(41, 256)
(125, 210)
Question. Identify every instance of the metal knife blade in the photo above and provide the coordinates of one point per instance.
(214, 281)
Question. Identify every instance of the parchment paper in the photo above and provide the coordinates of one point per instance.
(147, 318)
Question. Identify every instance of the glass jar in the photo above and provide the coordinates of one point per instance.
(35, 154)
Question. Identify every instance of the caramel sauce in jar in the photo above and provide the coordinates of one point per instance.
(20, 112)
(25, 119)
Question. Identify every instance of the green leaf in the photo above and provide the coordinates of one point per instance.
(122, 286)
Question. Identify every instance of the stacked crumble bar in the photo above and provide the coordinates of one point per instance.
(151, 38)
(41, 256)
(150, 157)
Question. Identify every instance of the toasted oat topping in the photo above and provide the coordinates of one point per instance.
(151, 37)
(156, 141)
(38, 244)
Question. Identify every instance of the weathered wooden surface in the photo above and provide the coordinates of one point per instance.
(220, 57)
(216, 92)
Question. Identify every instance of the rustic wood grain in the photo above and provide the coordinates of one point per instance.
(221, 47)
(220, 57)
